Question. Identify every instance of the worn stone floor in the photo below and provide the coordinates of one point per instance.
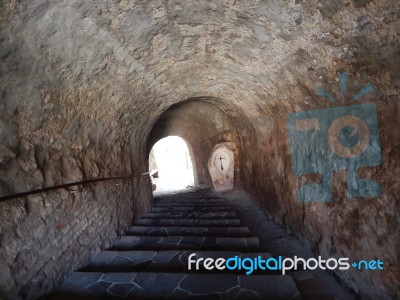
(151, 260)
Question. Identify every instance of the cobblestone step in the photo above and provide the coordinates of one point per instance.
(189, 208)
(147, 285)
(182, 197)
(189, 204)
(191, 215)
(167, 261)
(188, 222)
(187, 243)
(184, 231)
(192, 201)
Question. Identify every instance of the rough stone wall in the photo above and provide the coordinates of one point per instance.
(152, 161)
(357, 228)
(55, 128)
(103, 72)
(46, 235)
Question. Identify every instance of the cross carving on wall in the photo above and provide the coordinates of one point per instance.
(221, 158)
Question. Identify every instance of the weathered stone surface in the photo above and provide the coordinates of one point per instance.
(221, 166)
(86, 87)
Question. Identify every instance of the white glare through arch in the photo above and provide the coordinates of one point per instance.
(174, 164)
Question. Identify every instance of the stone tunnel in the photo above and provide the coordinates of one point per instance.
(304, 92)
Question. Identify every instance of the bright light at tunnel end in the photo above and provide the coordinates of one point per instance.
(174, 164)
(283, 264)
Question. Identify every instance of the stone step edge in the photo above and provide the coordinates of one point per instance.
(190, 236)
(199, 219)
(244, 244)
(155, 227)
(196, 209)
(172, 227)
(104, 258)
(76, 283)
(189, 199)
(210, 225)
(191, 212)
(181, 204)
(175, 218)
(304, 279)
(196, 201)
(233, 253)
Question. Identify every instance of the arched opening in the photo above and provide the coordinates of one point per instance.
(171, 159)
(203, 122)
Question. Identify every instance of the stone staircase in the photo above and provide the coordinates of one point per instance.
(151, 260)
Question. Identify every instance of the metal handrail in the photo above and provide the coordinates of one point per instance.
(61, 186)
